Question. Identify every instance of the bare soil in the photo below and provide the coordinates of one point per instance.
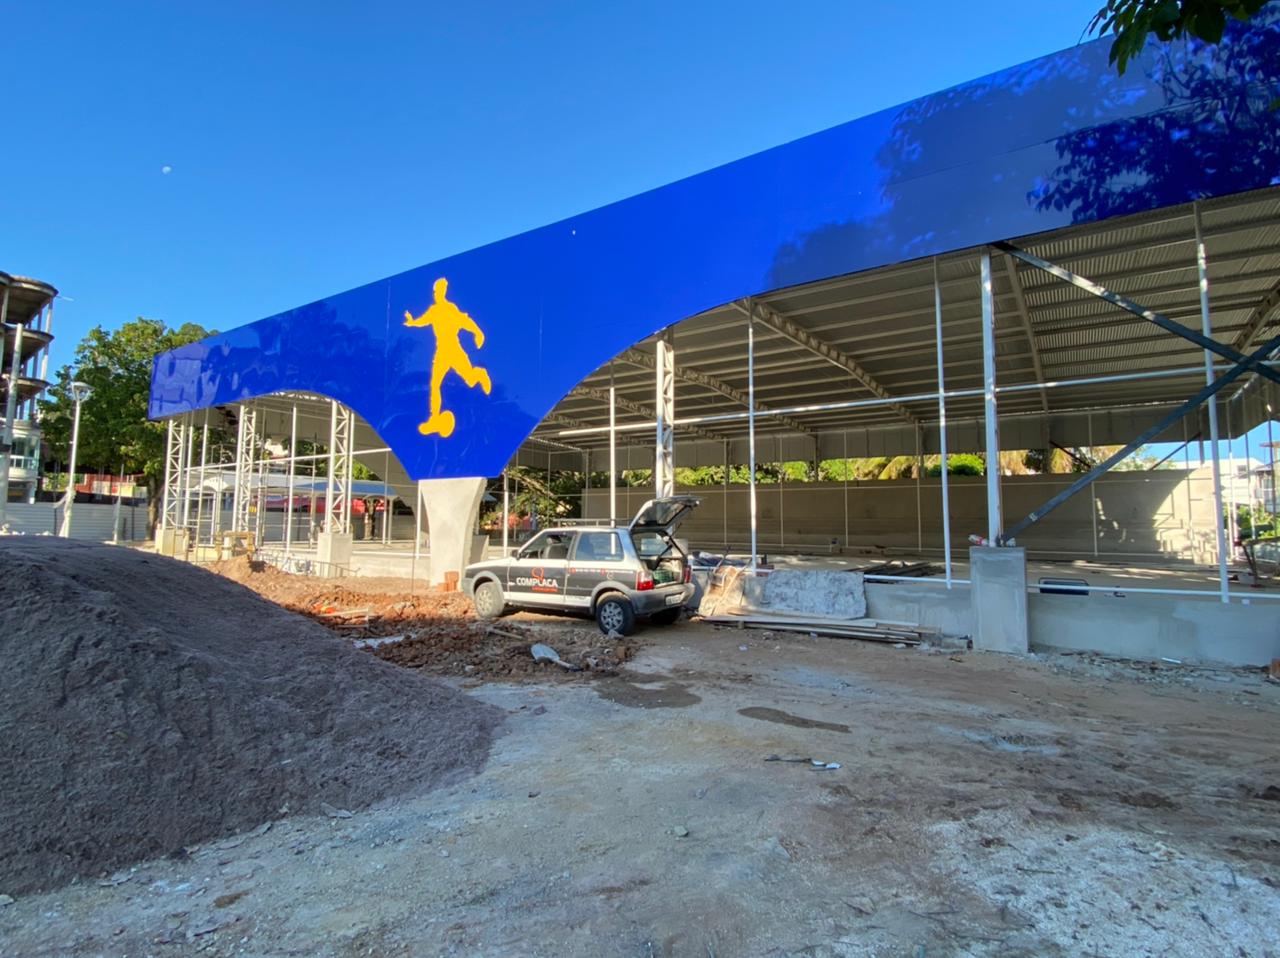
(983, 805)
(441, 634)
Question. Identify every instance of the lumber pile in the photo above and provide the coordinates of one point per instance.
(904, 568)
(876, 630)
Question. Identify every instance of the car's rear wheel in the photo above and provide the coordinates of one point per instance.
(488, 600)
(614, 613)
(666, 616)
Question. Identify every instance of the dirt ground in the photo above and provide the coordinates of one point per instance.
(983, 805)
(435, 632)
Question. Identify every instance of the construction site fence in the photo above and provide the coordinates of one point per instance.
(89, 520)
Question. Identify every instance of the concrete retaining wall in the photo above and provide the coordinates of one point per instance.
(1192, 630)
(1151, 626)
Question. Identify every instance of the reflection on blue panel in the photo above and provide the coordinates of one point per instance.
(1057, 141)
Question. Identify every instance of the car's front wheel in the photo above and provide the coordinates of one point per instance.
(488, 600)
(614, 613)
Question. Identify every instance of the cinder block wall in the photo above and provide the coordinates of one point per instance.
(1161, 514)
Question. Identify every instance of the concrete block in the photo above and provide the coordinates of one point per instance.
(171, 542)
(452, 508)
(334, 549)
(998, 593)
(823, 592)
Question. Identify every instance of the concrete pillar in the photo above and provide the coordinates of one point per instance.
(333, 549)
(998, 593)
(452, 507)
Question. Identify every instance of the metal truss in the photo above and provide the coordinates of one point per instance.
(246, 443)
(1247, 363)
(1151, 316)
(338, 488)
(175, 442)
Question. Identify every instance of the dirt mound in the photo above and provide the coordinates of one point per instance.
(148, 705)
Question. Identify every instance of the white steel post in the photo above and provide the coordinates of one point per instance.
(613, 451)
(1233, 501)
(1093, 495)
(1206, 327)
(187, 451)
(293, 469)
(919, 478)
(506, 513)
(942, 427)
(724, 499)
(844, 488)
(386, 499)
(665, 402)
(995, 514)
(204, 458)
(751, 428)
(71, 470)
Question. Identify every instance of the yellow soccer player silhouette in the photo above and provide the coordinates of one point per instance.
(448, 321)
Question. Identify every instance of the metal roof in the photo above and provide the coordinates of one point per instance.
(884, 321)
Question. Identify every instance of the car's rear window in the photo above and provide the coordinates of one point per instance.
(599, 546)
(649, 543)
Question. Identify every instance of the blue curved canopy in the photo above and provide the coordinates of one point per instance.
(453, 379)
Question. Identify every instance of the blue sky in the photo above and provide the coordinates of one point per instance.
(316, 146)
(312, 147)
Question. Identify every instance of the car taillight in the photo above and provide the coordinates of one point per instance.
(644, 581)
(688, 573)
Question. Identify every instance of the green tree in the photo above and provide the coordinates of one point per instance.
(1132, 21)
(115, 433)
(959, 464)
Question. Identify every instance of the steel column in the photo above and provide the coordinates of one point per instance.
(1206, 329)
(665, 404)
(69, 503)
(187, 453)
(1093, 495)
(995, 516)
(506, 512)
(751, 427)
(293, 469)
(942, 432)
(1233, 500)
(172, 466)
(246, 440)
(613, 450)
(337, 504)
(204, 458)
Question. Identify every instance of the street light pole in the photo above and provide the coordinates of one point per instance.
(79, 392)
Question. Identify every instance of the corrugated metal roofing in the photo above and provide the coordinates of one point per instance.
(884, 321)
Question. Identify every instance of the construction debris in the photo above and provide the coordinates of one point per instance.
(821, 602)
(903, 568)
(437, 632)
(545, 653)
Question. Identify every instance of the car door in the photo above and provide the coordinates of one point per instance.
(538, 574)
(597, 556)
